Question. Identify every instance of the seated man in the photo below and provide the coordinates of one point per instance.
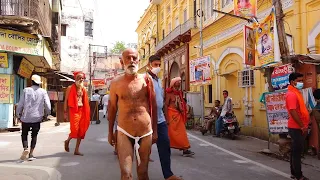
(209, 120)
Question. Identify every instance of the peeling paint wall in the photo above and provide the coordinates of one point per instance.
(75, 45)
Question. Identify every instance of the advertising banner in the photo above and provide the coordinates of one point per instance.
(277, 115)
(25, 68)
(5, 87)
(267, 41)
(280, 76)
(245, 8)
(18, 42)
(12, 90)
(249, 46)
(200, 71)
(4, 60)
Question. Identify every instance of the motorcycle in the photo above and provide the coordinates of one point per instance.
(230, 126)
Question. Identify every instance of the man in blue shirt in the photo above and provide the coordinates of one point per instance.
(163, 142)
(33, 107)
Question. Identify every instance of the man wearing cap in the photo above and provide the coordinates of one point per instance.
(163, 142)
(33, 107)
(77, 102)
(176, 116)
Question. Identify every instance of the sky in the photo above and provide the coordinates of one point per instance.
(116, 20)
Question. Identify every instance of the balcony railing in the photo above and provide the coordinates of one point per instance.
(179, 30)
(35, 9)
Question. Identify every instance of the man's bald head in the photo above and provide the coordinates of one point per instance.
(130, 60)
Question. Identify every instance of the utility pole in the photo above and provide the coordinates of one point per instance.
(284, 50)
(90, 71)
(201, 54)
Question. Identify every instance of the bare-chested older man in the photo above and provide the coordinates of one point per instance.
(132, 94)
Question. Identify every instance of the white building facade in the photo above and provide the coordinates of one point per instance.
(76, 34)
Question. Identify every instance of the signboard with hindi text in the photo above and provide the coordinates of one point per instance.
(5, 86)
(25, 68)
(4, 60)
(18, 42)
(277, 114)
(280, 76)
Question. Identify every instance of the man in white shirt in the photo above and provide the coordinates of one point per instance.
(226, 109)
(96, 96)
(105, 100)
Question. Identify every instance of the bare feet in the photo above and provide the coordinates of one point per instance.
(78, 154)
(66, 146)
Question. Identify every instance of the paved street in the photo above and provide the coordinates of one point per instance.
(215, 158)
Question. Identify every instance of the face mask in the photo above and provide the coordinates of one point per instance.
(156, 70)
(299, 85)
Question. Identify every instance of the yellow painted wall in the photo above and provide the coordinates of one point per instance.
(223, 41)
(301, 19)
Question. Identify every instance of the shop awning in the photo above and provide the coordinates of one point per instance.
(270, 65)
(228, 73)
(66, 78)
(306, 58)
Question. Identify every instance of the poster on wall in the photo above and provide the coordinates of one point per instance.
(277, 115)
(4, 60)
(200, 71)
(5, 87)
(25, 68)
(249, 46)
(245, 8)
(280, 76)
(267, 41)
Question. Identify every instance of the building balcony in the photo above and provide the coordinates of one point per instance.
(32, 16)
(181, 34)
(155, 1)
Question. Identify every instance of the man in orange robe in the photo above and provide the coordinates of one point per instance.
(176, 116)
(77, 102)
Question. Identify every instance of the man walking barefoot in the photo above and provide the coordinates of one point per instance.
(133, 96)
(77, 102)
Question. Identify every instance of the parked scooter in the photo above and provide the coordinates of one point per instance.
(230, 126)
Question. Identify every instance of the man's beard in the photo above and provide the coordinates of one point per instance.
(79, 84)
(131, 69)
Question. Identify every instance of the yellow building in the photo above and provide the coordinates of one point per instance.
(165, 30)
(223, 42)
(171, 21)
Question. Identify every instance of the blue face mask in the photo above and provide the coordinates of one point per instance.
(299, 85)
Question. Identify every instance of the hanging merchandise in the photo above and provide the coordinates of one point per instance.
(267, 40)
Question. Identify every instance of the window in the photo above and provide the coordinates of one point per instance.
(210, 93)
(63, 30)
(226, 3)
(168, 9)
(185, 15)
(162, 16)
(246, 78)
(163, 35)
(177, 21)
(209, 13)
(88, 28)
